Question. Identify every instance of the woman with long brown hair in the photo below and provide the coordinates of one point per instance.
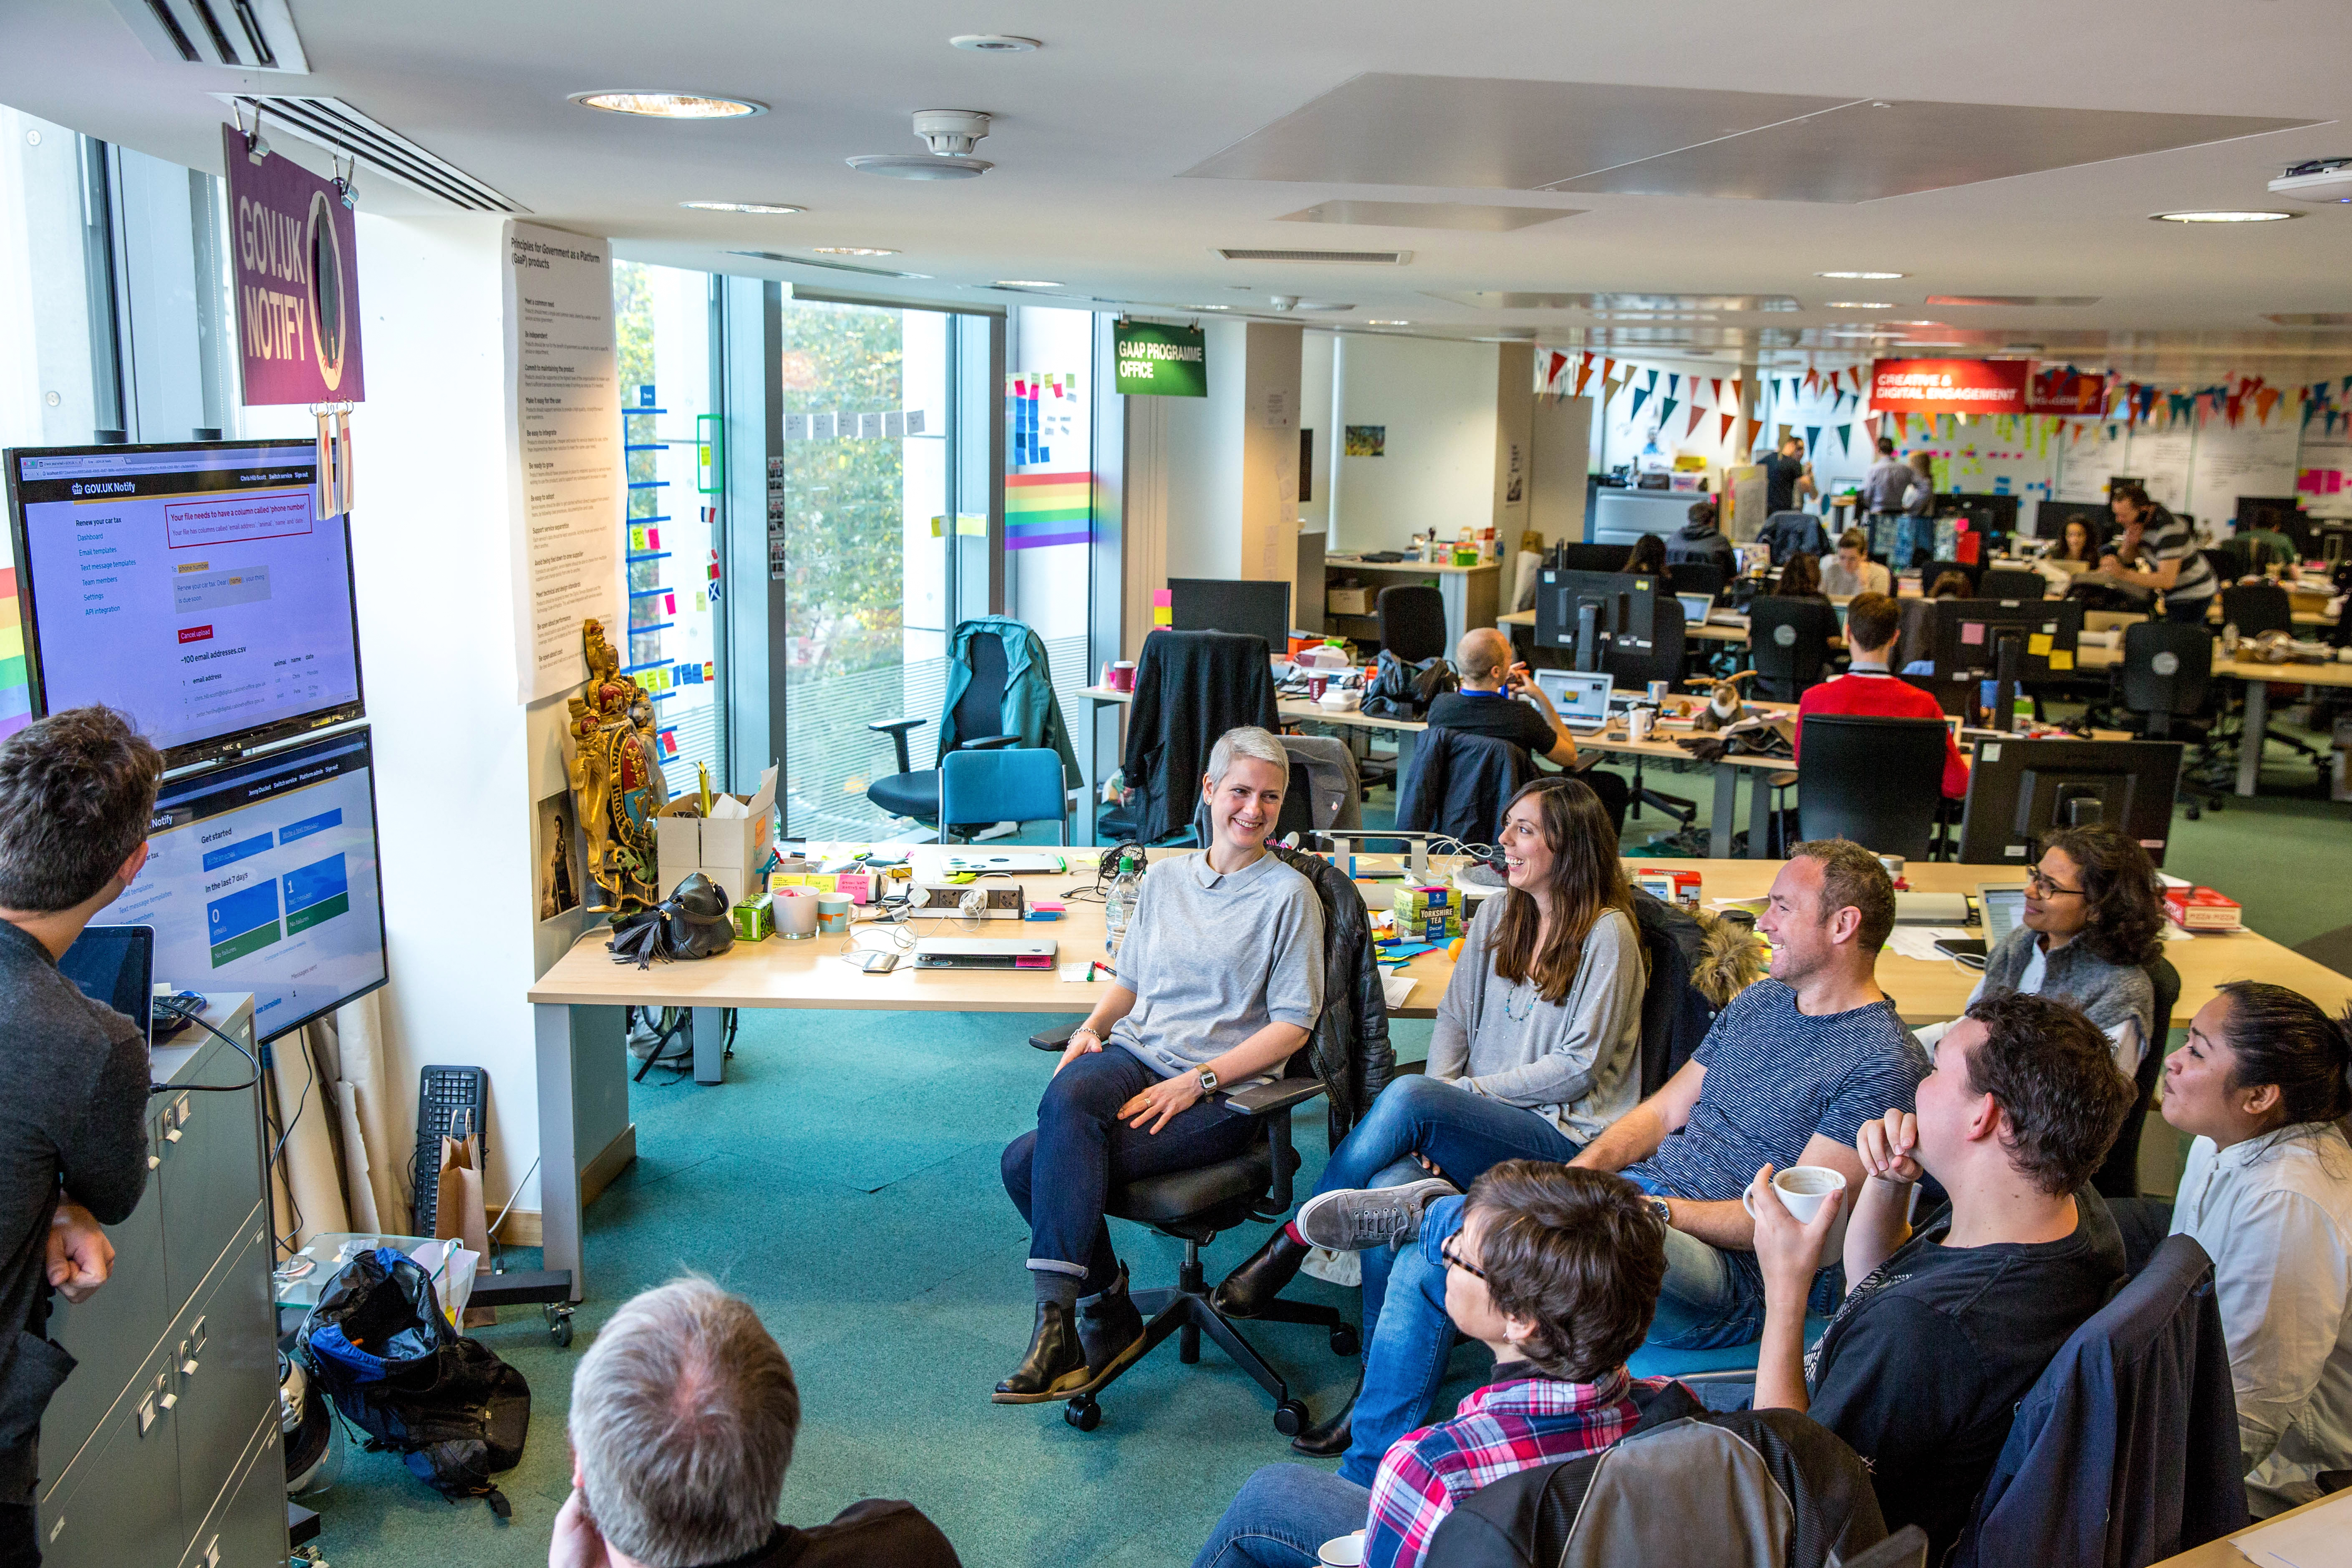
(1800, 578)
(1538, 1044)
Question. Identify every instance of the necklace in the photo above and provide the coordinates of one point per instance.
(1513, 1008)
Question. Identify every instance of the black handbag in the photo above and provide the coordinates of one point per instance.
(692, 922)
(1400, 690)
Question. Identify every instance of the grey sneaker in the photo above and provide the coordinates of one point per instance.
(1354, 1218)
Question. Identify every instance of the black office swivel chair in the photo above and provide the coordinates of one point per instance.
(1459, 783)
(1788, 643)
(2012, 583)
(1193, 1206)
(2168, 670)
(1633, 670)
(977, 718)
(1875, 781)
(2118, 1177)
(2258, 607)
(1697, 578)
(1190, 689)
(1931, 573)
(1413, 622)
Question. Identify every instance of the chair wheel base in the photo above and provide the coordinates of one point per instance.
(1290, 1418)
(1344, 1340)
(1083, 1414)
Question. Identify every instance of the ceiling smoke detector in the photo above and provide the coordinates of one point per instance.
(951, 134)
(993, 43)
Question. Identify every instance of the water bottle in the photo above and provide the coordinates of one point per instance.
(1119, 902)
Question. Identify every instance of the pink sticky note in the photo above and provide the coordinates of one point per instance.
(1972, 634)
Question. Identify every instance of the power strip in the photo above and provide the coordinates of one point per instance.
(970, 901)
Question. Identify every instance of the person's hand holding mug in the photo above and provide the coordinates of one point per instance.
(1789, 1250)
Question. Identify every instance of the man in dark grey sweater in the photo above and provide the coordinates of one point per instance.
(77, 790)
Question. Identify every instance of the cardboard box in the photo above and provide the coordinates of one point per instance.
(729, 850)
(2202, 909)
(1347, 601)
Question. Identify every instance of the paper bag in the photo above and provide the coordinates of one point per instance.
(458, 1214)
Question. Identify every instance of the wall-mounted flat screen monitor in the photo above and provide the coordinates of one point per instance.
(191, 587)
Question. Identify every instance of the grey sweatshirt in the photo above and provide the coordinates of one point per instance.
(1575, 1062)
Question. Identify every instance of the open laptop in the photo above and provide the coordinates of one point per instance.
(1580, 696)
(2002, 905)
(1019, 863)
(116, 965)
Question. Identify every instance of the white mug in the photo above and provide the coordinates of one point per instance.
(1802, 1188)
(1342, 1551)
(1638, 722)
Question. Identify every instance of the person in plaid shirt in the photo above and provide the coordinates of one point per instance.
(1557, 1271)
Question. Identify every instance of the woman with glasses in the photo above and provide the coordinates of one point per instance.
(2094, 923)
(1537, 1048)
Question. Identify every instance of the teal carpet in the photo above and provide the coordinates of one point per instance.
(844, 1180)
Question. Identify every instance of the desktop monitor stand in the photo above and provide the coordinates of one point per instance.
(1587, 638)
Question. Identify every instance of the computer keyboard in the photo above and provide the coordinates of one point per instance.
(446, 1097)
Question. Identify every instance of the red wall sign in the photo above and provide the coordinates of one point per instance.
(2063, 390)
(298, 287)
(1948, 385)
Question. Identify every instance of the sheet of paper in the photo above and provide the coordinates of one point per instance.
(1076, 973)
(1920, 941)
(2312, 1537)
(1396, 987)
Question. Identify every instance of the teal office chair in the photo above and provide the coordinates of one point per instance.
(1018, 784)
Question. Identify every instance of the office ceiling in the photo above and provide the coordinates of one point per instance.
(1658, 179)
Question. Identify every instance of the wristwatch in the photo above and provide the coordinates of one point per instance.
(1208, 1081)
(1664, 1210)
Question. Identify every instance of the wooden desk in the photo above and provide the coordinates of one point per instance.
(2222, 1554)
(2258, 679)
(1472, 594)
(583, 1066)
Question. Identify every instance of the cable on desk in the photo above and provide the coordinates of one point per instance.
(170, 1008)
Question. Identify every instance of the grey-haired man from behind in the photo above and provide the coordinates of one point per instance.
(77, 792)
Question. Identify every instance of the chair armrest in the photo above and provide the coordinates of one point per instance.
(1054, 1039)
(1265, 1098)
(988, 743)
(896, 730)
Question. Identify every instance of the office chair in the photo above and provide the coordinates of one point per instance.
(1016, 784)
(1788, 643)
(2258, 607)
(1875, 781)
(1697, 578)
(2119, 1176)
(1412, 621)
(2166, 672)
(977, 720)
(1633, 670)
(2012, 583)
(1190, 689)
(1193, 1206)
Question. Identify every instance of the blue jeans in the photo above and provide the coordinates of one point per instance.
(2187, 612)
(1704, 1301)
(1282, 1516)
(1462, 1134)
(1060, 1175)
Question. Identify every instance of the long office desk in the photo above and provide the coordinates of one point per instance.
(1472, 594)
(1611, 741)
(583, 1066)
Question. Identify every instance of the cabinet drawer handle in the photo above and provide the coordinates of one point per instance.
(188, 1367)
(168, 1401)
(153, 1160)
(174, 1136)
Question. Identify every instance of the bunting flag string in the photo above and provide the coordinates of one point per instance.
(1652, 386)
(1673, 383)
(1755, 427)
(1715, 385)
(1696, 413)
(1845, 439)
(1813, 438)
(1666, 410)
(1583, 375)
(1729, 421)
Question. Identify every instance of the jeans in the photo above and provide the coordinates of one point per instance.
(2187, 612)
(1060, 1175)
(1282, 1516)
(1706, 1301)
(1464, 1135)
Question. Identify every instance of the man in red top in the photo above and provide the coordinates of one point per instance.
(1870, 688)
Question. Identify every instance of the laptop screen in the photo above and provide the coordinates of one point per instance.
(1581, 697)
(1694, 607)
(115, 965)
(2003, 908)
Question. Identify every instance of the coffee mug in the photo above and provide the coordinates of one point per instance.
(1342, 1551)
(1802, 1188)
(1122, 676)
(1659, 691)
(1894, 864)
(1316, 685)
(1638, 722)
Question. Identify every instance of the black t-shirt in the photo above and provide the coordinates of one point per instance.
(875, 1534)
(1496, 715)
(1780, 474)
(1922, 1366)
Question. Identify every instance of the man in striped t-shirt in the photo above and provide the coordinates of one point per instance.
(2157, 551)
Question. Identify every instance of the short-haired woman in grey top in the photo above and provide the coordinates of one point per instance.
(1539, 1040)
(1220, 978)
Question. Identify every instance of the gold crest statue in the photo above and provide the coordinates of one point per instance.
(616, 780)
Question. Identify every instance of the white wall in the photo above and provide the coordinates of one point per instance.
(1203, 462)
(1437, 403)
(457, 760)
(1315, 413)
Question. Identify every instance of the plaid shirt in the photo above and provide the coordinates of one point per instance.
(1519, 1420)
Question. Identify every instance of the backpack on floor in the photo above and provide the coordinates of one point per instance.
(378, 1345)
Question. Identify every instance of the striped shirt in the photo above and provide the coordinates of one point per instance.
(2166, 538)
(1520, 1420)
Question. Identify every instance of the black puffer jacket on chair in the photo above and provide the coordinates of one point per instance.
(1351, 1045)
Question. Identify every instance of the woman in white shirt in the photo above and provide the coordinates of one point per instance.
(2261, 1084)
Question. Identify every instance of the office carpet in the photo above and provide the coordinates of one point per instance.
(844, 1180)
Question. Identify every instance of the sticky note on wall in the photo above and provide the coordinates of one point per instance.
(1163, 611)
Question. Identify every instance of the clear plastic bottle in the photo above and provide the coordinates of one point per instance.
(1119, 902)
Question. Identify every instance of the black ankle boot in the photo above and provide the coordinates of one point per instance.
(1261, 1276)
(1328, 1438)
(1056, 1366)
(1110, 1330)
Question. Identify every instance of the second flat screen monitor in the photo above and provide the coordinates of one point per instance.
(1222, 605)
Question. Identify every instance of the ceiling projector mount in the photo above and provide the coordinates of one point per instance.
(951, 134)
(2316, 179)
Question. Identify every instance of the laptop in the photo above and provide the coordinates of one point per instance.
(2002, 905)
(985, 952)
(1580, 696)
(1694, 607)
(116, 965)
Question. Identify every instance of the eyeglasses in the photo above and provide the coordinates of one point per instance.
(1454, 1259)
(2043, 886)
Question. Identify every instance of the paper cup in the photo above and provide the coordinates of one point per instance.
(1802, 1188)
(796, 912)
(1342, 1551)
(1122, 676)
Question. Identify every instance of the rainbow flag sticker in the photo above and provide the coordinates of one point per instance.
(16, 689)
(1047, 508)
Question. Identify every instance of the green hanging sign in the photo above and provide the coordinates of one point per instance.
(1161, 362)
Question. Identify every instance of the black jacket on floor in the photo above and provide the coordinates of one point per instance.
(1190, 689)
(1351, 1051)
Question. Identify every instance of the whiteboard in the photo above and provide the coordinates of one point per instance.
(2086, 465)
(2159, 459)
(2252, 459)
(2324, 473)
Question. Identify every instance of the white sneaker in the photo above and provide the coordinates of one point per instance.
(1354, 1218)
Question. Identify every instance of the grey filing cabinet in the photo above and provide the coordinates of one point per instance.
(161, 1450)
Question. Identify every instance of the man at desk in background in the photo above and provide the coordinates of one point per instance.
(1787, 477)
(1871, 689)
(77, 789)
(1487, 705)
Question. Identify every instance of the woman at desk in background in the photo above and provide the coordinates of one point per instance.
(1537, 1048)
(1853, 571)
(2267, 1193)
(1800, 579)
(1648, 555)
(2079, 543)
(1220, 978)
(2092, 925)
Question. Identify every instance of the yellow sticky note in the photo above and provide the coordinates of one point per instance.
(790, 879)
(825, 883)
(2061, 660)
(2037, 645)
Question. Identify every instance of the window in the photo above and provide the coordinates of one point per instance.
(1049, 490)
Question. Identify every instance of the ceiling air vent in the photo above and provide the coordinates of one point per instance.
(335, 125)
(1365, 258)
(832, 265)
(250, 35)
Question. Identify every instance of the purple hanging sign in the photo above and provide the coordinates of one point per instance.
(296, 257)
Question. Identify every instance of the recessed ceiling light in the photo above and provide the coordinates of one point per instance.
(1028, 283)
(993, 43)
(1208, 307)
(2222, 217)
(1915, 323)
(921, 166)
(850, 250)
(1858, 305)
(668, 105)
(777, 208)
(1868, 275)
(1370, 323)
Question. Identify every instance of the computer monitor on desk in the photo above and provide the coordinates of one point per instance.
(1966, 638)
(2020, 790)
(1585, 613)
(1226, 605)
(2051, 518)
